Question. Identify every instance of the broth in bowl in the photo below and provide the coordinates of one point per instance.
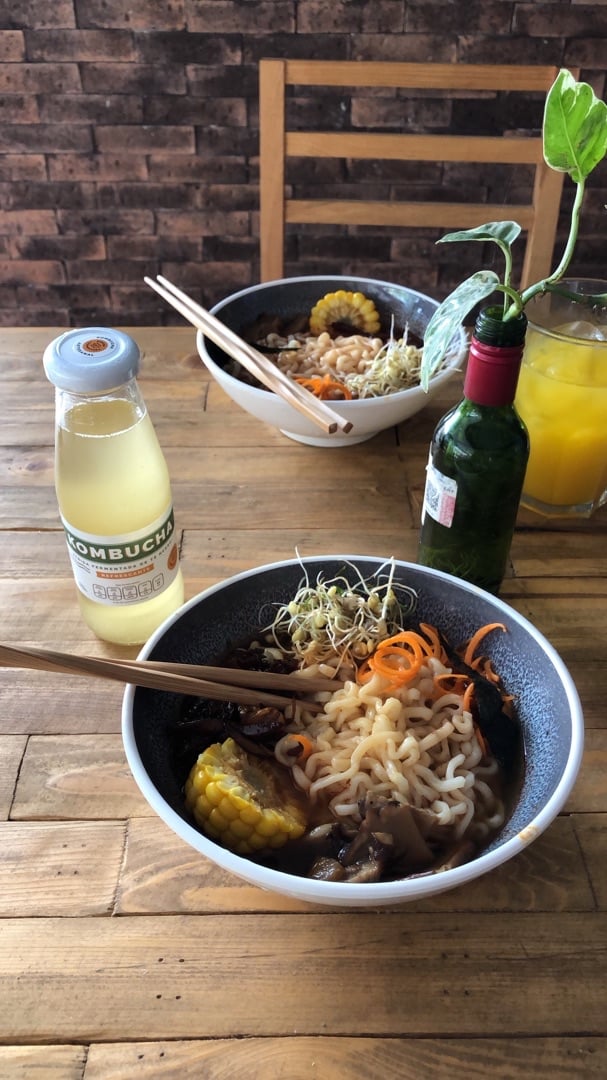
(403, 767)
(387, 787)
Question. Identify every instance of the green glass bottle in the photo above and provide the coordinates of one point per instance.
(477, 462)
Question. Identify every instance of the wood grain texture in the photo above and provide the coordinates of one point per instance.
(11, 753)
(42, 1062)
(167, 976)
(55, 869)
(326, 1058)
(84, 777)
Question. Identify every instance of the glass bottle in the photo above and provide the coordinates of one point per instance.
(113, 487)
(477, 461)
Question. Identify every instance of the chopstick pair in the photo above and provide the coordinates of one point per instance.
(220, 684)
(254, 361)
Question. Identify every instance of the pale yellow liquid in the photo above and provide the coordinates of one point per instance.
(112, 479)
(562, 398)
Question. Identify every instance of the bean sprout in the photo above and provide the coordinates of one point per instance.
(332, 617)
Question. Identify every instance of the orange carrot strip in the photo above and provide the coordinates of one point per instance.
(476, 639)
(324, 388)
(485, 667)
(390, 654)
(307, 746)
(399, 675)
(404, 639)
(467, 698)
(432, 634)
(408, 636)
(451, 682)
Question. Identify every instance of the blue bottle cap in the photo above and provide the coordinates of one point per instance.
(91, 360)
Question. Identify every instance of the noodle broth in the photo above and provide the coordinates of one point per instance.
(408, 764)
(207, 627)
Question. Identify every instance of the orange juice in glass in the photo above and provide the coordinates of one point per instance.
(562, 398)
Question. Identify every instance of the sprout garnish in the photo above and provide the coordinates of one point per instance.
(334, 616)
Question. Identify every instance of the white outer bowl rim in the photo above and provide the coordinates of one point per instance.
(355, 894)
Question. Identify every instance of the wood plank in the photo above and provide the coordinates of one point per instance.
(54, 615)
(162, 873)
(416, 76)
(37, 554)
(388, 146)
(300, 1058)
(576, 561)
(82, 777)
(565, 624)
(176, 406)
(591, 830)
(403, 215)
(11, 752)
(56, 869)
(163, 977)
(163, 352)
(42, 1062)
(213, 553)
(539, 554)
(590, 791)
(228, 487)
(38, 703)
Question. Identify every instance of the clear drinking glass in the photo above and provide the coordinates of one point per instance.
(562, 398)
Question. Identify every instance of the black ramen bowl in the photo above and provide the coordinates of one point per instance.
(205, 628)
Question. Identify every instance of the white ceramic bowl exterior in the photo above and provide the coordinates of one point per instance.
(547, 701)
(291, 296)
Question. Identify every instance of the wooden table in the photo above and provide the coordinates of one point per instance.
(123, 953)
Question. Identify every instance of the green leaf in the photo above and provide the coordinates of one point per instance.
(502, 232)
(448, 317)
(575, 127)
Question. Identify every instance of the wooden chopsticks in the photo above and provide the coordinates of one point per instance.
(254, 361)
(220, 684)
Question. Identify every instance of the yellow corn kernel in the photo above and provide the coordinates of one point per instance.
(352, 308)
(239, 800)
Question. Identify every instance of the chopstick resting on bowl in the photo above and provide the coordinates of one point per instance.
(220, 684)
(258, 365)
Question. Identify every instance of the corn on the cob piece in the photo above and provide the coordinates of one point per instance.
(238, 800)
(353, 308)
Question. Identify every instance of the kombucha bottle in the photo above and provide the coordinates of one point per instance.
(113, 487)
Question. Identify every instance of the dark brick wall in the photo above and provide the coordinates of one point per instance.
(128, 141)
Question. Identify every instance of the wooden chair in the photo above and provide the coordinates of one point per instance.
(278, 144)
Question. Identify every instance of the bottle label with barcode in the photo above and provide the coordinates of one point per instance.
(439, 496)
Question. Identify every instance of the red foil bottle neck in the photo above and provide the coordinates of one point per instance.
(492, 373)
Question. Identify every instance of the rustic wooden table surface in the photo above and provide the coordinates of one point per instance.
(123, 953)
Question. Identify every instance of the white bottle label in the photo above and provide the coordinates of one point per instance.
(128, 569)
(439, 496)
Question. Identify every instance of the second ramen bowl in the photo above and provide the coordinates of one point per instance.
(233, 610)
(289, 297)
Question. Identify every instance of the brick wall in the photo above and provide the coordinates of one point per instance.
(128, 141)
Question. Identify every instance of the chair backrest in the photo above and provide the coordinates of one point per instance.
(538, 217)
